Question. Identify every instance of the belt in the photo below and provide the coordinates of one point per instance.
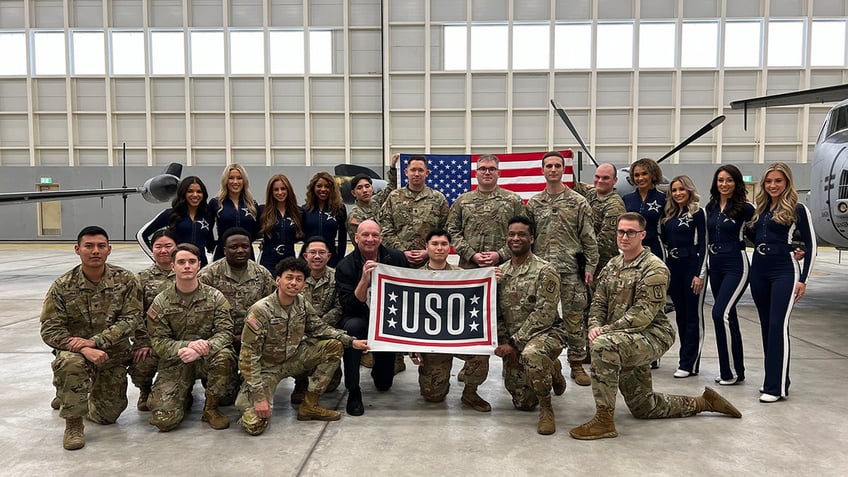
(280, 249)
(682, 252)
(725, 247)
(773, 248)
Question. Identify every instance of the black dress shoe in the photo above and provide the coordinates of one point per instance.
(354, 403)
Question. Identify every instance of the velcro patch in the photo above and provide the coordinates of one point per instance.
(658, 292)
(254, 324)
(153, 312)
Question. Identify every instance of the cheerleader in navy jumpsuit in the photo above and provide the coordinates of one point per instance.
(683, 232)
(727, 266)
(777, 281)
(280, 225)
(233, 207)
(324, 215)
(647, 201)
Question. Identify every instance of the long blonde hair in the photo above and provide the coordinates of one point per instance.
(784, 212)
(269, 213)
(245, 190)
(671, 208)
(334, 204)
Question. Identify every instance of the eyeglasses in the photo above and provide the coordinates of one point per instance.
(319, 253)
(487, 170)
(628, 233)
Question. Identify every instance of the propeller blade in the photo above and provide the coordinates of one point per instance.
(353, 169)
(570, 126)
(700, 132)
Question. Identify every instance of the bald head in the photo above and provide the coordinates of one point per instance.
(605, 177)
(368, 238)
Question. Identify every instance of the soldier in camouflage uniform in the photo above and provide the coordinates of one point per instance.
(565, 231)
(283, 336)
(435, 368)
(606, 207)
(192, 333)
(627, 330)
(530, 330)
(88, 316)
(411, 212)
(368, 203)
(243, 282)
(153, 279)
(320, 292)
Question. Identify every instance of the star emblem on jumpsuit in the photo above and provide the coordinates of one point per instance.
(247, 213)
(684, 221)
(653, 206)
(204, 225)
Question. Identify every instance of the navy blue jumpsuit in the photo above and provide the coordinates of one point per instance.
(197, 232)
(279, 242)
(323, 223)
(727, 265)
(684, 238)
(774, 273)
(225, 216)
(652, 208)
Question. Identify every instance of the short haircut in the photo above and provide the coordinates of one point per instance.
(417, 158)
(187, 247)
(360, 177)
(291, 264)
(633, 216)
(92, 230)
(311, 240)
(522, 219)
(553, 154)
(490, 158)
(234, 231)
(438, 233)
(163, 232)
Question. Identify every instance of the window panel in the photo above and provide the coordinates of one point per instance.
(247, 52)
(13, 54)
(828, 43)
(127, 52)
(615, 45)
(87, 51)
(742, 44)
(167, 53)
(573, 46)
(49, 53)
(456, 47)
(786, 43)
(207, 52)
(287, 52)
(320, 52)
(489, 47)
(656, 45)
(699, 45)
(531, 47)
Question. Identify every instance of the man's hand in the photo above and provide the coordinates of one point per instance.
(509, 354)
(589, 279)
(141, 354)
(361, 345)
(594, 333)
(76, 344)
(201, 347)
(416, 257)
(486, 259)
(367, 268)
(263, 409)
(416, 359)
(94, 355)
(188, 355)
(498, 274)
(395, 159)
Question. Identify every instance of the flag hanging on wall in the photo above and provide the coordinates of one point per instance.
(454, 174)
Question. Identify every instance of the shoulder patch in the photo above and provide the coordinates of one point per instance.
(153, 312)
(657, 292)
(253, 324)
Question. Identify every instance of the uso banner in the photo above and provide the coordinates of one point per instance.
(426, 311)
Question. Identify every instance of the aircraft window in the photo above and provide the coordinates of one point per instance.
(843, 185)
(838, 120)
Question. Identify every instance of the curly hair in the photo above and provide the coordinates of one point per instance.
(246, 196)
(179, 205)
(334, 204)
(736, 203)
(784, 212)
(672, 209)
(651, 167)
(269, 213)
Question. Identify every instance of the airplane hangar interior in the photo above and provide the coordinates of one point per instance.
(106, 104)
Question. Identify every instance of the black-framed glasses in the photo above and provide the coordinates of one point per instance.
(487, 170)
(628, 233)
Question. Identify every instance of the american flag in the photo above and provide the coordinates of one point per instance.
(454, 174)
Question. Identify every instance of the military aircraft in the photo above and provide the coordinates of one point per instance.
(828, 195)
(624, 185)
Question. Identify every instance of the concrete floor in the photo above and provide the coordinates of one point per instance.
(400, 434)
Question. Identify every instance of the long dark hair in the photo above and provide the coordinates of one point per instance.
(736, 204)
(334, 203)
(269, 214)
(180, 206)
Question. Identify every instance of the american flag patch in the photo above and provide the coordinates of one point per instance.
(254, 324)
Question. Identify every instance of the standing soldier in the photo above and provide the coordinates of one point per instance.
(88, 316)
(153, 279)
(606, 207)
(627, 330)
(367, 206)
(192, 333)
(530, 329)
(565, 237)
(243, 282)
(283, 336)
(410, 213)
(434, 373)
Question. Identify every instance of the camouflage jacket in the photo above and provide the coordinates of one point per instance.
(630, 296)
(478, 223)
(528, 296)
(321, 294)
(242, 291)
(176, 319)
(407, 217)
(153, 281)
(362, 211)
(606, 209)
(564, 227)
(273, 332)
(106, 312)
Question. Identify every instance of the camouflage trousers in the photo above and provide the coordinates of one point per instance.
(85, 389)
(142, 373)
(176, 379)
(434, 373)
(531, 377)
(622, 361)
(574, 297)
(322, 356)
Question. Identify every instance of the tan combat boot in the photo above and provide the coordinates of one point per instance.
(143, 394)
(547, 424)
(400, 363)
(579, 374)
(212, 415)
(56, 403)
(301, 384)
(472, 399)
(310, 410)
(558, 378)
(367, 361)
(74, 437)
(713, 402)
(599, 427)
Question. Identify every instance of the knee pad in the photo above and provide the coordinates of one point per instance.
(166, 420)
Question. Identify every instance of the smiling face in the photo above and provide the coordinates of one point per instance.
(279, 191)
(322, 190)
(604, 179)
(725, 184)
(368, 238)
(194, 195)
(162, 248)
(487, 174)
(679, 194)
(289, 284)
(641, 178)
(519, 239)
(235, 182)
(317, 255)
(774, 185)
(416, 174)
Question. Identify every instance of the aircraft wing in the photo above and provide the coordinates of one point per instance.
(20, 197)
(828, 94)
